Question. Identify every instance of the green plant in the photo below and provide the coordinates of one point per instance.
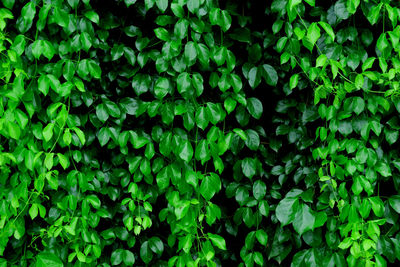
(199, 133)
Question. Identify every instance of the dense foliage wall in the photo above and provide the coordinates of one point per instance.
(199, 133)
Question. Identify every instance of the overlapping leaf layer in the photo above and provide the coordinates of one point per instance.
(199, 133)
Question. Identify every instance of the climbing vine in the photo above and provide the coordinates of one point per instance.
(199, 133)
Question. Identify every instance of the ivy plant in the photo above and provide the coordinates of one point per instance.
(199, 133)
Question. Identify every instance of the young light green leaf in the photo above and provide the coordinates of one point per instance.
(63, 160)
(48, 132)
(92, 16)
(218, 241)
(45, 259)
(328, 29)
(313, 34)
(80, 134)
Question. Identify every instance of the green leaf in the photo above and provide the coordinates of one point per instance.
(218, 241)
(377, 206)
(19, 44)
(362, 155)
(183, 83)
(190, 53)
(346, 243)
(80, 134)
(181, 28)
(177, 9)
(341, 10)
(163, 179)
(43, 14)
(258, 257)
(48, 161)
(116, 257)
(48, 50)
(373, 14)
(197, 83)
(310, 2)
(185, 151)
(162, 87)
(240, 133)
(259, 189)
(130, 55)
(287, 209)
(383, 168)
(44, 84)
(24, 22)
(102, 113)
(73, 3)
(219, 55)
(67, 137)
(255, 108)
(293, 3)
(352, 6)
(294, 80)
(225, 20)
(69, 70)
(79, 85)
(304, 219)
(116, 52)
(128, 257)
(112, 109)
(215, 16)
(391, 136)
(210, 185)
(201, 118)
(162, 34)
(63, 160)
(254, 77)
(45, 259)
(368, 63)
(262, 237)
(48, 132)
(249, 167)
(92, 16)
(382, 43)
(359, 81)
(94, 69)
(328, 29)
(33, 211)
(104, 136)
(313, 34)
(376, 127)
(253, 140)
(202, 151)
(8, 4)
(21, 118)
(270, 75)
(162, 5)
(94, 201)
(193, 5)
(394, 201)
(230, 104)
(37, 48)
(203, 54)
(145, 252)
(215, 112)
(156, 245)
